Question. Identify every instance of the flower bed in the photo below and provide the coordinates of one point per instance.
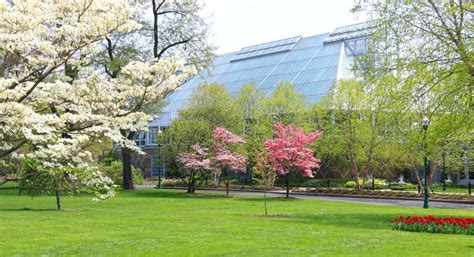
(447, 225)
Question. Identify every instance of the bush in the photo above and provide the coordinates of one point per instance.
(114, 171)
(173, 182)
(407, 186)
(351, 184)
(379, 183)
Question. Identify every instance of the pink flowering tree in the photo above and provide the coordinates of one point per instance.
(224, 160)
(195, 162)
(289, 153)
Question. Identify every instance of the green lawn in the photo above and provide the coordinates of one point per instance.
(170, 223)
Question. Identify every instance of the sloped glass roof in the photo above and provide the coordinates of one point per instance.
(311, 64)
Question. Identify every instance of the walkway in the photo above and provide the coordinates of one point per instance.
(374, 201)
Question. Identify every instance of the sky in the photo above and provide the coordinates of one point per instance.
(239, 23)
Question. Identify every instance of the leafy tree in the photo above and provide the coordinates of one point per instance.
(356, 124)
(254, 129)
(59, 181)
(415, 37)
(285, 105)
(423, 51)
(288, 152)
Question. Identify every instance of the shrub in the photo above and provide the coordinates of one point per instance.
(379, 183)
(447, 225)
(407, 186)
(351, 184)
(113, 169)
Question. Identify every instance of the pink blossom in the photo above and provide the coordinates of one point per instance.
(222, 135)
(196, 160)
(289, 152)
(228, 160)
(223, 157)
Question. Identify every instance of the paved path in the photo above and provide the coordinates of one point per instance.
(375, 201)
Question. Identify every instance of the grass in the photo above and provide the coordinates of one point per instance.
(170, 223)
(439, 189)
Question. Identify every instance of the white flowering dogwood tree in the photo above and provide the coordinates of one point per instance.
(49, 117)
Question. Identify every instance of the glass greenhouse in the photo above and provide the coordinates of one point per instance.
(311, 64)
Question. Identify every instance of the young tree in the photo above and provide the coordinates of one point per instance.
(289, 153)
(194, 163)
(224, 159)
(53, 105)
(263, 168)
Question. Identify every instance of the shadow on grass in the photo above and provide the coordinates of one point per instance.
(43, 210)
(172, 194)
(29, 209)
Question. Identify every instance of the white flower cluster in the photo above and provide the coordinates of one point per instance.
(51, 117)
(102, 186)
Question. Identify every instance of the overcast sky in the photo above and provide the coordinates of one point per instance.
(239, 23)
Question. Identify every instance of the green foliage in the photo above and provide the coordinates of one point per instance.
(379, 183)
(323, 182)
(210, 105)
(406, 186)
(285, 105)
(41, 180)
(113, 169)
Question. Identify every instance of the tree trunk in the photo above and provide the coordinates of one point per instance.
(58, 200)
(288, 185)
(192, 181)
(265, 194)
(227, 185)
(127, 169)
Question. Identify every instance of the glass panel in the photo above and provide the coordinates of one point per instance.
(312, 41)
(272, 81)
(302, 54)
(140, 138)
(330, 49)
(266, 48)
(323, 62)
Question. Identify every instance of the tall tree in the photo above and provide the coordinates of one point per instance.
(254, 129)
(285, 105)
(356, 123)
(176, 27)
(428, 47)
(425, 49)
